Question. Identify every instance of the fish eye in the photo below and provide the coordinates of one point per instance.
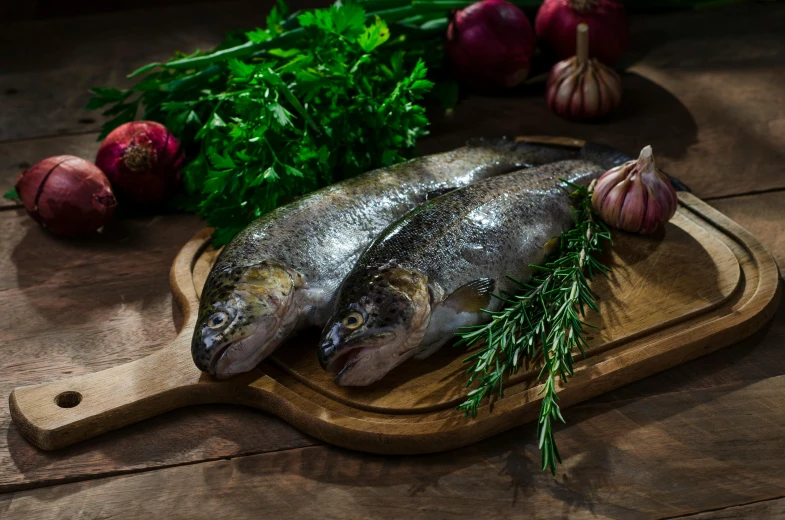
(352, 320)
(216, 320)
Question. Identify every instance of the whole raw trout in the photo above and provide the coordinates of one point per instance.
(281, 273)
(436, 268)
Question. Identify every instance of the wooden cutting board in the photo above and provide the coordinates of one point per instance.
(700, 285)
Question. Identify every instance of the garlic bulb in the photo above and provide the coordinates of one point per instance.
(580, 88)
(635, 196)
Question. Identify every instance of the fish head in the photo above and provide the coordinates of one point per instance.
(245, 313)
(377, 324)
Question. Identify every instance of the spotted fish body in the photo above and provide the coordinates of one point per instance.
(433, 270)
(281, 273)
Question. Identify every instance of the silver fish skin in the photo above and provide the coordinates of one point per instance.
(281, 273)
(433, 270)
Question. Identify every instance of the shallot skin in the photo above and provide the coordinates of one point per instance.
(142, 159)
(67, 195)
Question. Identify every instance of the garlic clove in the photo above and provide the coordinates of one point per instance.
(610, 179)
(562, 69)
(614, 201)
(635, 196)
(634, 206)
(650, 221)
(591, 94)
(564, 90)
(662, 191)
(611, 89)
(576, 97)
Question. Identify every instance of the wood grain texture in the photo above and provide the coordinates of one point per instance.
(763, 216)
(649, 456)
(422, 419)
(44, 87)
(765, 509)
(47, 67)
(78, 306)
(57, 291)
(678, 462)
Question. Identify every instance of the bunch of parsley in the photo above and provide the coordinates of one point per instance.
(274, 113)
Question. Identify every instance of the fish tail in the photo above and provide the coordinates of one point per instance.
(608, 158)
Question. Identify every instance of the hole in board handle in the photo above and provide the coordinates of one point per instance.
(68, 399)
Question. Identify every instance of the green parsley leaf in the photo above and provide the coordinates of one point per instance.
(374, 35)
(274, 113)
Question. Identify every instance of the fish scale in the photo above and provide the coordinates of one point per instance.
(342, 217)
(434, 270)
(512, 216)
(281, 273)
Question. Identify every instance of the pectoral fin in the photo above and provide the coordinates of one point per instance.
(461, 309)
(551, 246)
(472, 297)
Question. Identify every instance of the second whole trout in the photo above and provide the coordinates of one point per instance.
(435, 269)
(281, 273)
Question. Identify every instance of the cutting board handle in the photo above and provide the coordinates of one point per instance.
(56, 414)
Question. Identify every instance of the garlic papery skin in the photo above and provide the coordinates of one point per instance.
(635, 196)
(580, 88)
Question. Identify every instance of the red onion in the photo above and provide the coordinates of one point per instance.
(557, 21)
(491, 44)
(67, 195)
(142, 160)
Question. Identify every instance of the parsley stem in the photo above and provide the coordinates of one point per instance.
(286, 39)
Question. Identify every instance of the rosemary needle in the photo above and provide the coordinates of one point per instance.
(543, 322)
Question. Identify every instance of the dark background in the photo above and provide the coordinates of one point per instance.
(13, 10)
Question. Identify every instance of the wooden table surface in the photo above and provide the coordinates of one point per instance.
(706, 438)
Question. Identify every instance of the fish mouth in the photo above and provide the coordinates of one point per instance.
(339, 359)
(244, 354)
(218, 356)
(368, 359)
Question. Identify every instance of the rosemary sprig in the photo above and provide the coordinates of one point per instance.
(544, 319)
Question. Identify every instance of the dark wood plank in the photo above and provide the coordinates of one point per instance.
(702, 435)
(204, 433)
(48, 66)
(59, 292)
(646, 457)
(766, 509)
(763, 215)
(76, 306)
(44, 86)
